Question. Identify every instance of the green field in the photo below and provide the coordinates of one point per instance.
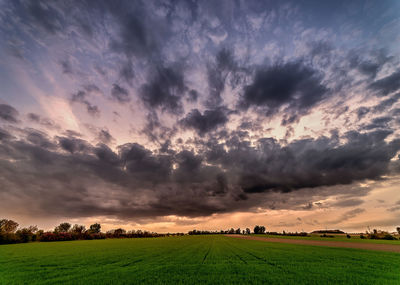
(354, 238)
(192, 259)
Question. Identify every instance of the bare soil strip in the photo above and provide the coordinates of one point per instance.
(369, 246)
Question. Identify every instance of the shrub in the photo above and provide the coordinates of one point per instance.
(327, 236)
(377, 234)
(6, 238)
(388, 237)
(25, 235)
(49, 236)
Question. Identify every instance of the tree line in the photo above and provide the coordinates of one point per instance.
(257, 230)
(10, 233)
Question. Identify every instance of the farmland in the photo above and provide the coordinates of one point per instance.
(341, 238)
(192, 259)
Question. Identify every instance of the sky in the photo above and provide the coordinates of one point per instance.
(177, 115)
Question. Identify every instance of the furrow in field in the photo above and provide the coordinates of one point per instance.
(266, 261)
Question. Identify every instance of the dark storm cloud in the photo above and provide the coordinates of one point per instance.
(66, 67)
(387, 85)
(43, 15)
(127, 72)
(133, 28)
(105, 137)
(156, 131)
(34, 117)
(4, 135)
(73, 145)
(348, 203)
(379, 123)
(218, 169)
(309, 163)
(145, 183)
(80, 97)
(143, 165)
(386, 104)
(382, 106)
(206, 122)
(8, 113)
(91, 88)
(321, 52)
(140, 32)
(217, 75)
(293, 85)
(120, 94)
(39, 139)
(165, 89)
(368, 66)
(362, 111)
(192, 96)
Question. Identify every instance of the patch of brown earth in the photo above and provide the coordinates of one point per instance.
(369, 246)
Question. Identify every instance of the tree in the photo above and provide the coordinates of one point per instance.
(117, 232)
(256, 229)
(398, 230)
(259, 229)
(27, 234)
(78, 229)
(238, 231)
(8, 226)
(247, 231)
(62, 228)
(95, 228)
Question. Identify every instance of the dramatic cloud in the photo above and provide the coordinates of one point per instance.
(293, 85)
(73, 144)
(218, 73)
(208, 121)
(105, 137)
(311, 163)
(140, 31)
(80, 97)
(66, 67)
(164, 89)
(8, 113)
(387, 84)
(46, 122)
(127, 72)
(199, 109)
(120, 94)
(214, 180)
(369, 66)
(44, 16)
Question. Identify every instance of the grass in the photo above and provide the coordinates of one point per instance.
(354, 238)
(190, 260)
